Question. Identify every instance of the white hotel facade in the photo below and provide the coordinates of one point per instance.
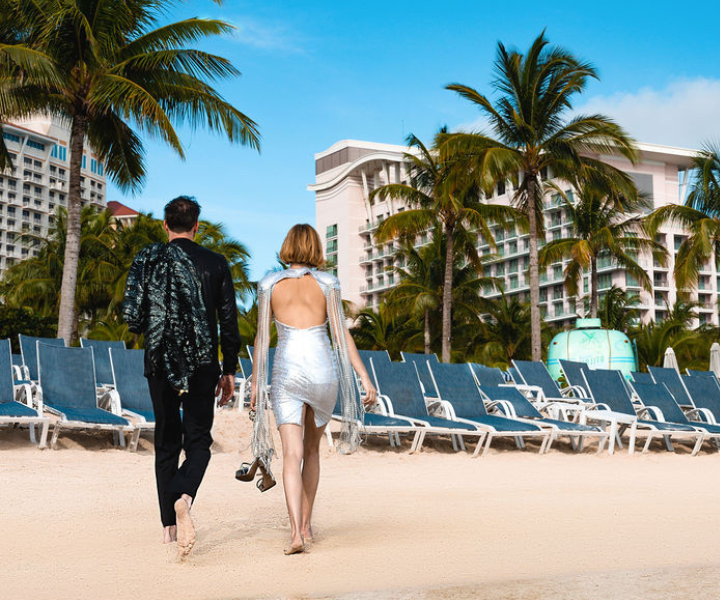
(37, 184)
(346, 216)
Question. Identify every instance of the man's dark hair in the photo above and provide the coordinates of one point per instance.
(181, 214)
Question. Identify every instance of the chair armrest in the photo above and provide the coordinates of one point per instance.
(502, 406)
(654, 411)
(23, 394)
(447, 410)
(110, 400)
(701, 413)
(387, 403)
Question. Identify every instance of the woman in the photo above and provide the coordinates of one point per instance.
(308, 377)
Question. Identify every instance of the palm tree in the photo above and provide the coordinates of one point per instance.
(382, 329)
(535, 137)
(652, 339)
(441, 195)
(215, 237)
(618, 309)
(602, 229)
(699, 216)
(107, 67)
(422, 280)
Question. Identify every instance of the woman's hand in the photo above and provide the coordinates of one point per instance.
(253, 396)
(370, 392)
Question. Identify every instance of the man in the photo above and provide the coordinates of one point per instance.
(177, 294)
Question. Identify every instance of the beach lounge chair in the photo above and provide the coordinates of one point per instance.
(694, 373)
(421, 361)
(67, 381)
(243, 382)
(608, 388)
(705, 395)
(20, 372)
(130, 388)
(517, 406)
(536, 376)
(573, 371)
(378, 356)
(639, 377)
(403, 397)
(456, 388)
(13, 412)
(101, 354)
(487, 376)
(271, 356)
(656, 397)
(28, 348)
(672, 380)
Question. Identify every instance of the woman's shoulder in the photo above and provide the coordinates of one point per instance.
(269, 280)
(326, 279)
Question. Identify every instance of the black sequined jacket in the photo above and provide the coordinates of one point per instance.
(166, 296)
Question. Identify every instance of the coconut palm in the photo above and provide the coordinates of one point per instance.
(112, 73)
(442, 196)
(214, 236)
(618, 309)
(699, 216)
(535, 136)
(420, 290)
(605, 223)
(382, 329)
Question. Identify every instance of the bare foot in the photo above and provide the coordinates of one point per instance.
(296, 547)
(170, 534)
(307, 534)
(185, 527)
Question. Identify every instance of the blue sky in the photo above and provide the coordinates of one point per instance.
(317, 72)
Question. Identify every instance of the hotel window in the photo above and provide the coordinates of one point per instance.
(332, 246)
(557, 273)
(513, 282)
(11, 137)
(513, 268)
(500, 270)
(332, 231)
(36, 145)
(512, 248)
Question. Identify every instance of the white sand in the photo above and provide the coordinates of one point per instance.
(82, 522)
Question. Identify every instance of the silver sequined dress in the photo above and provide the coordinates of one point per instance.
(304, 373)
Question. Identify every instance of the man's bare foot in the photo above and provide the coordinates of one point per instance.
(170, 534)
(297, 545)
(185, 527)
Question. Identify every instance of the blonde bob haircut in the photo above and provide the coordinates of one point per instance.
(302, 246)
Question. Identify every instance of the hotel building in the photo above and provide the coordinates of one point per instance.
(37, 183)
(347, 217)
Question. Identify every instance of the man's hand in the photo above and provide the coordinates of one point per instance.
(226, 385)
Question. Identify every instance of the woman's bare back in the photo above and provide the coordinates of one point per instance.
(299, 303)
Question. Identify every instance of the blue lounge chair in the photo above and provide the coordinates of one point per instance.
(242, 383)
(517, 406)
(404, 398)
(13, 412)
(271, 357)
(639, 377)
(573, 371)
(101, 354)
(67, 380)
(130, 387)
(671, 379)
(28, 348)
(20, 372)
(421, 361)
(536, 375)
(658, 398)
(705, 395)
(378, 356)
(487, 376)
(694, 373)
(608, 388)
(455, 386)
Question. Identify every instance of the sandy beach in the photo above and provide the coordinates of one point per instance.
(81, 522)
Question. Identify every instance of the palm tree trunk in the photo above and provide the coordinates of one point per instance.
(427, 331)
(447, 295)
(593, 288)
(66, 317)
(535, 319)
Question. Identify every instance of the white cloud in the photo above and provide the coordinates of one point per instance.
(267, 35)
(686, 112)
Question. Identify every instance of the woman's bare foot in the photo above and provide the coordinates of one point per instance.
(307, 534)
(170, 534)
(297, 545)
(185, 527)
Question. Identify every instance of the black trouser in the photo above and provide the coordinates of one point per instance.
(173, 433)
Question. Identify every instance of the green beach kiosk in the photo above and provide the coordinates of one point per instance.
(590, 343)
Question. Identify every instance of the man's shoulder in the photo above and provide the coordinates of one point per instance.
(149, 251)
(206, 255)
